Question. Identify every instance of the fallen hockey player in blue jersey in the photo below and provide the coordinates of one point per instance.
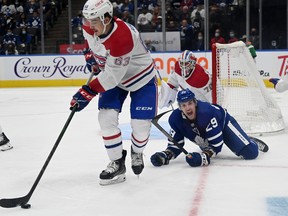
(209, 126)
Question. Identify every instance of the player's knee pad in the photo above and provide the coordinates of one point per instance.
(250, 152)
(140, 132)
(108, 120)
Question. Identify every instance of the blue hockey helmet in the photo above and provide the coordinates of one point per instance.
(185, 95)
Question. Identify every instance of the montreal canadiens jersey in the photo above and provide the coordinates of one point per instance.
(205, 130)
(122, 57)
(199, 82)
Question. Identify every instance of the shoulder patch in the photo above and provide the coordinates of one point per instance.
(120, 42)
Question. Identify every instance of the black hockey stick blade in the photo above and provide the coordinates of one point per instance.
(157, 125)
(14, 202)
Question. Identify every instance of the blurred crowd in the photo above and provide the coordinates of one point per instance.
(20, 24)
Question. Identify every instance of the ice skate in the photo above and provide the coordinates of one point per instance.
(4, 143)
(263, 147)
(137, 162)
(115, 171)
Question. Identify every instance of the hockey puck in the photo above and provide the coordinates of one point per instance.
(26, 206)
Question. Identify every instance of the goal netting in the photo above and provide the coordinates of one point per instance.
(238, 87)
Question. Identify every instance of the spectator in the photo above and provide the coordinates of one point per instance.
(2, 26)
(34, 26)
(149, 4)
(274, 44)
(128, 6)
(149, 45)
(175, 5)
(198, 23)
(200, 9)
(144, 20)
(9, 38)
(47, 13)
(10, 23)
(199, 42)
(128, 17)
(155, 14)
(188, 3)
(254, 38)
(171, 26)
(158, 25)
(7, 8)
(19, 7)
(24, 42)
(31, 7)
(170, 15)
(186, 35)
(77, 21)
(217, 38)
(22, 21)
(232, 37)
(185, 14)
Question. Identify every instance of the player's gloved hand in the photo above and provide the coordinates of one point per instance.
(82, 98)
(196, 159)
(167, 95)
(161, 158)
(91, 63)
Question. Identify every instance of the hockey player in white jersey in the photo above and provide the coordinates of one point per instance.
(4, 141)
(124, 66)
(280, 85)
(187, 73)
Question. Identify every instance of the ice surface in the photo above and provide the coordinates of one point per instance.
(33, 118)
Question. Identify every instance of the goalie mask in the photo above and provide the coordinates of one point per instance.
(187, 62)
(94, 9)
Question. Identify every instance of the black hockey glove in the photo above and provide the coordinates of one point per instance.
(161, 158)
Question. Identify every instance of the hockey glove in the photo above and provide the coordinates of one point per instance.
(82, 98)
(167, 95)
(161, 158)
(91, 63)
(198, 159)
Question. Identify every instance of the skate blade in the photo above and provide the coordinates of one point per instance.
(115, 180)
(6, 147)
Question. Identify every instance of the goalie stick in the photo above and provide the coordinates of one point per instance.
(157, 125)
(22, 201)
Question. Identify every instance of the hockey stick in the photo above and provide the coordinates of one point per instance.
(22, 201)
(156, 124)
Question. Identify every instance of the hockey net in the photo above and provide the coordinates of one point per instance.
(238, 87)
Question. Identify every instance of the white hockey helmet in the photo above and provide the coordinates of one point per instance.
(97, 8)
(187, 62)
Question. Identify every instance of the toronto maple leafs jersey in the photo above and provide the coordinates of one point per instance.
(205, 130)
(199, 82)
(122, 57)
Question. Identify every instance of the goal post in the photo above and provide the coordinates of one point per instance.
(238, 87)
